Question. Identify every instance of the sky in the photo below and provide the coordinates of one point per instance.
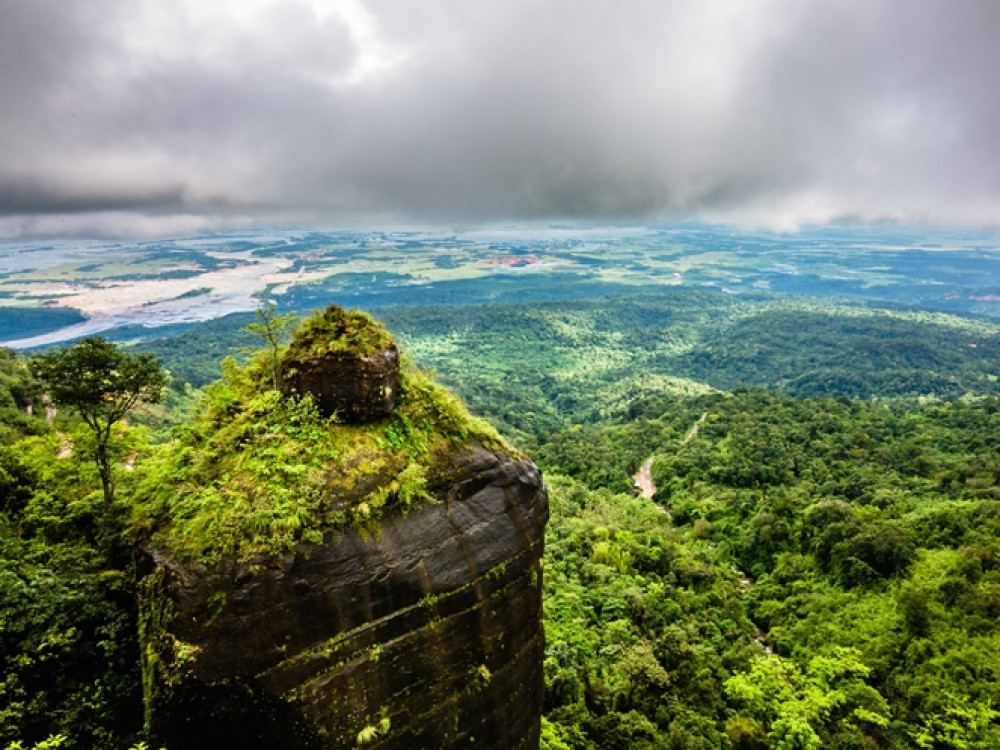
(129, 118)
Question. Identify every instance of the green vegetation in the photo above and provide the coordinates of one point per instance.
(867, 353)
(587, 360)
(194, 354)
(20, 395)
(189, 294)
(860, 539)
(68, 641)
(273, 329)
(103, 383)
(537, 369)
(641, 631)
(24, 322)
(338, 330)
(820, 566)
(68, 628)
(257, 472)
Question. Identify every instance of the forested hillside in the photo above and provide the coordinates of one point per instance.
(541, 367)
(69, 659)
(812, 573)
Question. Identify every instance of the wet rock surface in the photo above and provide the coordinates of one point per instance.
(358, 389)
(347, 361)
(427, 635)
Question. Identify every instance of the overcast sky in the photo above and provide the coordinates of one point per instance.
(170, 116)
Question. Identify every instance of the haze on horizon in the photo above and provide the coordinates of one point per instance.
(130, 118)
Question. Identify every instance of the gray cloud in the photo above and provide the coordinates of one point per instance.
(776, 112)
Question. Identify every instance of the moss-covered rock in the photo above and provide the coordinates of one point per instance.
(258, 472)
(320, 584)
(347, 362)
(427, 635)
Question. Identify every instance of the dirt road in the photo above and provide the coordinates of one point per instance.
(644, 480)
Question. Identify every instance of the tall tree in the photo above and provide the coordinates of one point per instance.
(104, 384)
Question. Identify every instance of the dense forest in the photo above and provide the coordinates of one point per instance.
(819, 566)
(813, 573)
(538, 367)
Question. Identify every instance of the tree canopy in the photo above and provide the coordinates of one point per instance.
(103, 383)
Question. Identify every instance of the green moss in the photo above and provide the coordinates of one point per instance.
(257, 472)
(163, 658)
(336, 329)
(373, 732)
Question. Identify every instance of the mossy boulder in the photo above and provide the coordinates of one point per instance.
(347, 361)
(256, 472)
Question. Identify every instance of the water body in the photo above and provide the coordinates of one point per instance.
(951, 270)
(152, 303)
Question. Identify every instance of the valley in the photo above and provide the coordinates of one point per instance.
(149, 285)
(839, 453)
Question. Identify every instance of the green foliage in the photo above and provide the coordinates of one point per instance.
(815, 571)
(194, 355)
(827, 703)
(871, 530)
(820, 352)
(961, 725)
(641, 629)
(100, 380)
(20, 392)
(535, 369)
(273, 329)
(50, 743)
(258, 472)
(336, 329)
(68, 653)
(372, 732)
(103, 383)
(542, 372)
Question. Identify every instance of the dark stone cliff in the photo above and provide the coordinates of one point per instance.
(408, 613)
(429, 636)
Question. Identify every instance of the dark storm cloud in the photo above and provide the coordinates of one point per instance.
(28, 197)
(772, 112)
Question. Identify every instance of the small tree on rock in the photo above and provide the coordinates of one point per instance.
(103, 383)
(273, 329)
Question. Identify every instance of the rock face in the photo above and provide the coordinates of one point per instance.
(426, 636)
(359, 389)
(347, 361)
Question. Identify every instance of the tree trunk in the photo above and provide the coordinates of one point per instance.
(104, 468)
